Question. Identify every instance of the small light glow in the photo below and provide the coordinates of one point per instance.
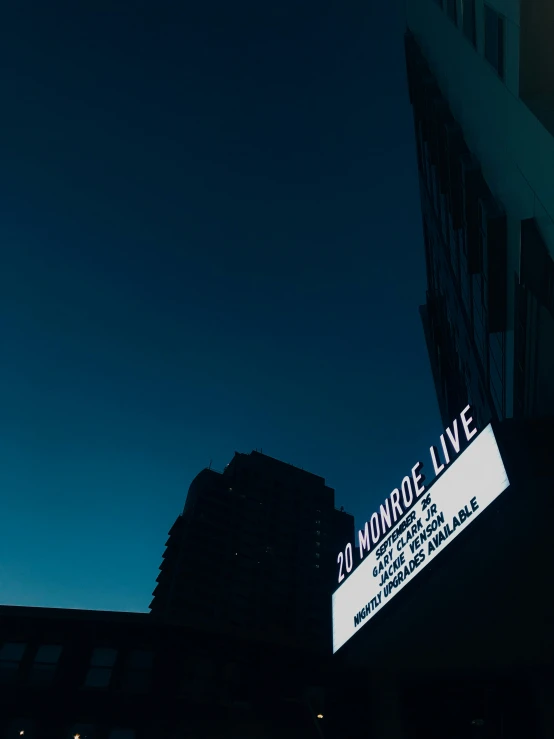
(76, 736)
(320, 715)
(21, 733)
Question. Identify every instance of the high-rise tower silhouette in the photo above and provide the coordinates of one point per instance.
(254, 552)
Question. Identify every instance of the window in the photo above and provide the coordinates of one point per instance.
(497, 371)
(204, 668)
(44, 666)
(430, 178)
(452, 11)
(480, 319)
(494, 39)
(318, 533)
(468, 20)
(101, 666)
(11, 655)
(454, 252)
(318, 520)
(138, 670)
(465, 280)
(317, 555)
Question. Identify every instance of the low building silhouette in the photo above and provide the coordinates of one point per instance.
(106, 675)
(238, 641)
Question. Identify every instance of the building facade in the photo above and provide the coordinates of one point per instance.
(466, 649)
(254, 552)
(69, 674)
(482, 93)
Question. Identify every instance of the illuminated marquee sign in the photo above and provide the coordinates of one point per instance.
(414, 526)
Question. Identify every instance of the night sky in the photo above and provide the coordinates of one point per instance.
(211, 242)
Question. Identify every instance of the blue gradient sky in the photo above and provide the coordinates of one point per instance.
(211, 242)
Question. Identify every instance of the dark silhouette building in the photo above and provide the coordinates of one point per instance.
(466, 649)
(238, 643)
(254, 552)
(104, 675)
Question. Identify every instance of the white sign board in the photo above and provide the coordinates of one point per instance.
(470, 484)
